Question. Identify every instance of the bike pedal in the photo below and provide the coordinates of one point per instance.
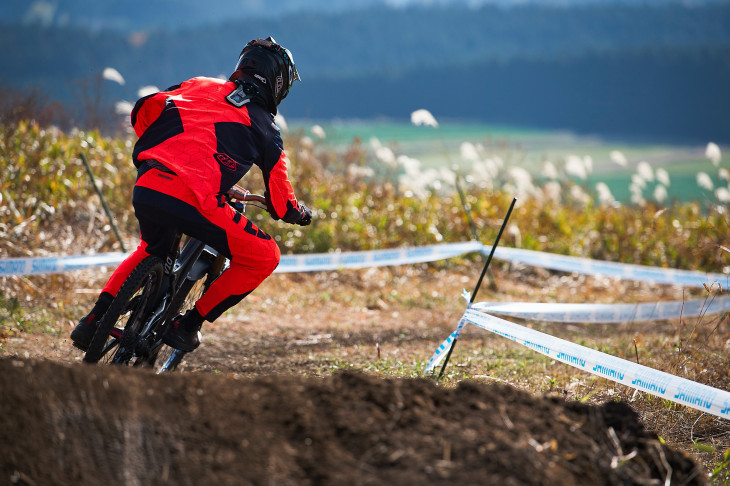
(116, 333)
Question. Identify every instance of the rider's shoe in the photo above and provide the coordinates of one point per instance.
(84, 332)
(184, 332)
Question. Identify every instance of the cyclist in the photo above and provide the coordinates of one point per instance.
(196, 140)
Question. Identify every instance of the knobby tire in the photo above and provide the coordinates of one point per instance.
(147, 278)
(166, 358)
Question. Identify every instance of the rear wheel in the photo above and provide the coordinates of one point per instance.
(117, 331)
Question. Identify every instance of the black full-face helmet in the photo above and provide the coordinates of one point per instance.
(270, 64)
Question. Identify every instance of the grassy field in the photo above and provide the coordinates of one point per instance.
(441, 147)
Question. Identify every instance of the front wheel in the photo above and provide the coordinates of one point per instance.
(167, 359)
(118, 328)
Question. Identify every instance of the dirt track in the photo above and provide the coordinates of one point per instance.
(75, 424)
(256, 404)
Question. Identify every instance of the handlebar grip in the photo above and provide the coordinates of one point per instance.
(255, 198)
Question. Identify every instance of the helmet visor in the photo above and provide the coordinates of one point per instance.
(294, 74)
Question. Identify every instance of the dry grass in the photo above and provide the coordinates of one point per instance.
(388, 322)
(382, 321)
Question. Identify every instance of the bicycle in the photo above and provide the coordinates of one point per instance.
(130, 331)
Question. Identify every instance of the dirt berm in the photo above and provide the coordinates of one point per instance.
(77, 424)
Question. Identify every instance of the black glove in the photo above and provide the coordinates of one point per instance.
(306, 215)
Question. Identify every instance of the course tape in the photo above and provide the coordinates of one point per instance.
(288, 264)
(443, 348)
(679, 390)
(626, 271)
(401, 256)
(39, 266)
(374, 258)
(607, 313)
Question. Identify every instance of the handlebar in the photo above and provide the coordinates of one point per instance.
(238, 197)
(238, 193)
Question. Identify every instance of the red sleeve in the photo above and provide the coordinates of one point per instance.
(272, 160)
(281, 193)
(148, 109)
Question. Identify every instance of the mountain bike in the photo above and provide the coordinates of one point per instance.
(130, 331)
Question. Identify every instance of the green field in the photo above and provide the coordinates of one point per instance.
(438, 147)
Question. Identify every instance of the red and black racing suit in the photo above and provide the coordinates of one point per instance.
(193, 147)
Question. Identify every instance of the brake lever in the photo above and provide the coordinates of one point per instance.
(238, 206)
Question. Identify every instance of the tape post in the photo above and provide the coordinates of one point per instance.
(443, 348)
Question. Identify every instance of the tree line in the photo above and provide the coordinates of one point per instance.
(584, 68)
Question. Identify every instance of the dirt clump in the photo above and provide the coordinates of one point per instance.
(78, 424)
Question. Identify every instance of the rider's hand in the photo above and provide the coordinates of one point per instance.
(306, 215)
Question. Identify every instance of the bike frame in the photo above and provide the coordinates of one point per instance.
(179, 265)
(177, 268)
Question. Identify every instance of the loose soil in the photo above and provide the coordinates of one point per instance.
(306, 382)
(90, 425)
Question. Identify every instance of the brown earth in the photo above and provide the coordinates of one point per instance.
(296, 387)
(81, 424)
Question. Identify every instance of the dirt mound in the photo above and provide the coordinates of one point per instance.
(78, 424)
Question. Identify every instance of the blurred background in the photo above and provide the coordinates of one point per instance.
(550, 78)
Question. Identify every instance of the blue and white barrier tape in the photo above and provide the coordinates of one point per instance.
(288, 264)
(442, 350)
(607, 313)
(374, 258)
(401, 256)
(679, 390)
(40, 266)
(625, 271)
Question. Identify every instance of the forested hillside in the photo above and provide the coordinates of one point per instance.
(132, 15)
(651, 70)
